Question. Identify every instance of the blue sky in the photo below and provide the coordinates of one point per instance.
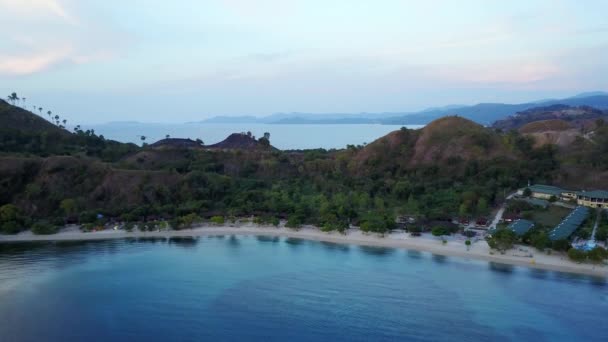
(184, 60)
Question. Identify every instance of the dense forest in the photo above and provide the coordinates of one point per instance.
(451, 168)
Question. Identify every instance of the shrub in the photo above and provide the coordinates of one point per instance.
(275, 221)
(87, 227)
(44, 228)
(88, 217)
(188, 220)
(10, 227)
(439, 231)
(540, 240)
(577, 255)
(175, 223)
(11, 221)
(58, 221)
(293, 222)
(129, 226)
(561, 245)
(598, 254)
(127, 217)
(377, 223)
(218, 219)
(502, 239)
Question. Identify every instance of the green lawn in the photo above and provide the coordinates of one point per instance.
(550, 217)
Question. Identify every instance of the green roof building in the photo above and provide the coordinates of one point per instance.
(594, 199)
(521, 227)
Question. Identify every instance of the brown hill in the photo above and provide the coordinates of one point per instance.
(455, 137)
(242, 141)
(177, 143)
(546, 125)
(443, 141)
(577, 116)
(551, 132)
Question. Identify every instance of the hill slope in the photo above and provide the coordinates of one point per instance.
(453, 166)
(444, 140)
(13, 117)
(241, 141)
(576, 116)
(27, 133)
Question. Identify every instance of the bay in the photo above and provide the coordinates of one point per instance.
(242, 288)
(284, 137)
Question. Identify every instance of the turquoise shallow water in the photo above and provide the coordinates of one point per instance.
(262, 288)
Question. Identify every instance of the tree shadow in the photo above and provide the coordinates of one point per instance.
(183, 241)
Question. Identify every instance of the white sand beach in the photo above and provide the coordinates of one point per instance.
(455, 245)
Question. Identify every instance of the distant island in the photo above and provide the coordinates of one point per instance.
(482, 113)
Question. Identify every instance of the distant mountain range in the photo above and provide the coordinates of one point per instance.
(482, 113)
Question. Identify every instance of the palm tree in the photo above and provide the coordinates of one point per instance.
(167, 136)
(57, 119)
(143, 139)
(12, 98)
(40, 110)
(49, 113)
(23, 99)
(64, 121)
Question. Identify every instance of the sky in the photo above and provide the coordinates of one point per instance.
(186, 60)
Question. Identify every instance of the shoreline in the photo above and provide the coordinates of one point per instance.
(454, 247)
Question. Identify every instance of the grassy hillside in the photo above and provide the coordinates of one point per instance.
(23, 132)
(576, 116)
(546, 125)
(15, 118)
(452, 167)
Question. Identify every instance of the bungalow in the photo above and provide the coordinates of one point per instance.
(593, 199)
(521, 227)
(481, 222)
(543, 191)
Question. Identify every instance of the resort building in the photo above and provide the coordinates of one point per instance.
(521, 227)
(544, 191)
(594, 199)
(569, 224)
(569, 195)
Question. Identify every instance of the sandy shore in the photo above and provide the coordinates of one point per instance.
(454, 247)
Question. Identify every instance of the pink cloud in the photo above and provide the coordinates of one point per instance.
(53, 7)
(25, 65)
(31, 63)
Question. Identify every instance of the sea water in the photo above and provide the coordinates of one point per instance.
(284, 137)
(240, 288)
